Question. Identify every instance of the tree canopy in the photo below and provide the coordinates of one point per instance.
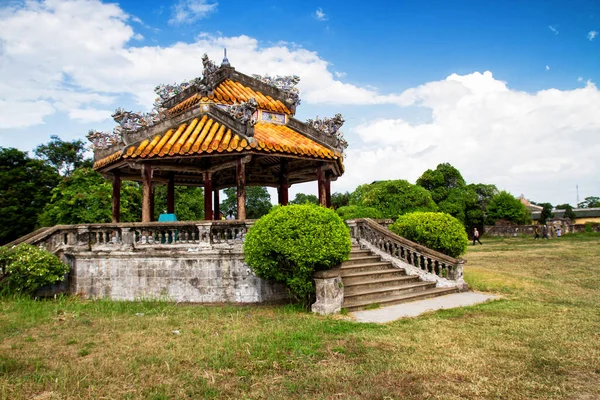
(63, 156)
(258, 202)
(86, 197)
(25, 187)
(393, 198)
(504, 206)
(302, 198)
(590, 202)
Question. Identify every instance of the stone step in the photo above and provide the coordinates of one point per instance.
(359, 253)
(373, 266)
(361, 260)
(349, 277)
(391, 300)
(384, 292)
(367, 284)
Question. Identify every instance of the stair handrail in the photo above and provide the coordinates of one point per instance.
(407, 251)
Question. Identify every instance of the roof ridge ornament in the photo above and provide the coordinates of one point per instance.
(225, 62)
(331, 127)
(244, 112)
(285, 83)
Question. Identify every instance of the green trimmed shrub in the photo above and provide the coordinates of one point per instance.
(355, 212)
(437, 231)
(27, 268)
(292, 242)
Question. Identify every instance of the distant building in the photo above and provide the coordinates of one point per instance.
(582, 215)
(530, 207)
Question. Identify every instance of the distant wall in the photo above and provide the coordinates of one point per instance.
(514, 230)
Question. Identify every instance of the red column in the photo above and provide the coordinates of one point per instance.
(146, 193)
(116, 197)
(216, 203)
(282, 190)
(241, 189)
(171, 195)
(321, 186)
(208, 212)
(328, 189)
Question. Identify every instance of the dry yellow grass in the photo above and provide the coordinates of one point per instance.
(541, 341)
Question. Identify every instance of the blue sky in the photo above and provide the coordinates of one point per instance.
(409, 76)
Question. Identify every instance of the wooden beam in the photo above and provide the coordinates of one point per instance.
(146, 192)
(208, 212)
(116, 197)
(171, 194)
(241, 189)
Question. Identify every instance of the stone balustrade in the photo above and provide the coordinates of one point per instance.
(139, 235)
(420, 257)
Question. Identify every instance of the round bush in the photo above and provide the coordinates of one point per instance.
(437, 231)
(27, 268)
(290, 243)
(355, 212)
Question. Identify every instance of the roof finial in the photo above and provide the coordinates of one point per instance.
(225, 62)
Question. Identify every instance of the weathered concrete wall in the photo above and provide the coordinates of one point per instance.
(203, 275)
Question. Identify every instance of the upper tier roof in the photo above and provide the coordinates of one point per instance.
(222, 114)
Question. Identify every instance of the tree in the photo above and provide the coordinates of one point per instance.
(189, 202)
(504, 206)
(86, 197)
(448, 189)
(258, 202)
(340, 200)
(63, 156)
(477, 198)
(590, 202)
(302, 198)
(393, 198)
(569, 213)
(546, 212)
(25, 187)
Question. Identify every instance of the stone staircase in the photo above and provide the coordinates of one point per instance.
(370, 282)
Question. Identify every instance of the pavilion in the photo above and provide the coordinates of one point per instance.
(225, 129)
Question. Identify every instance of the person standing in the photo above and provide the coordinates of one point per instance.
(537, 233)
(476, 236)
(545, 232)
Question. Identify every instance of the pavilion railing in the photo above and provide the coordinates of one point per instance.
(423, 258)
(123, 236)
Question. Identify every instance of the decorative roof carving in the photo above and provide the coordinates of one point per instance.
(209, 73)
(331, 127)
(286, 84)
(103, 140)
(244, 112)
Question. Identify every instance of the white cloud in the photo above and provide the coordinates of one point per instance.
(18, 114)
(591, 35)
(580, 79)
(339, 74)
(89, 114)
(83, 54)
(533, 143)
(320, 15)
(547, 68)
(186, 12)
(553, 29)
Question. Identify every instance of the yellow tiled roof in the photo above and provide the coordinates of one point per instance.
(205, 135)
(108, 160)
(230, 92)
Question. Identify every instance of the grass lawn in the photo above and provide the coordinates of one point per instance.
(541, 341)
